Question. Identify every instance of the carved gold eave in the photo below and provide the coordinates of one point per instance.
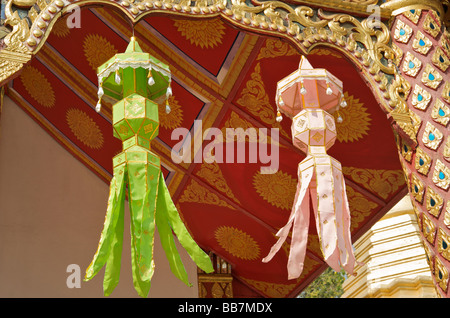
(358, 7)
(366, 44)
(399, 6)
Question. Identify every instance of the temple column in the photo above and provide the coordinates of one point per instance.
(423, 46)
(394, 261)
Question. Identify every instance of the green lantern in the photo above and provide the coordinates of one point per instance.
(139, 82)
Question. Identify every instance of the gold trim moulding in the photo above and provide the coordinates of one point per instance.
(360, 7)
(397, 7)
(214, 278)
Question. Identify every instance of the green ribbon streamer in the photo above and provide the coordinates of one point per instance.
(150, 206)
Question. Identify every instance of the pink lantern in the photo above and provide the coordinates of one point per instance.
(309, 87)
(308, 96)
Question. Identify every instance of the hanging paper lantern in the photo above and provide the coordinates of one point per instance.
(124, 78)
(309, 96)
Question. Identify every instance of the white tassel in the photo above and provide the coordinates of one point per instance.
(169, 91)
(281, 102)
(279, 117)
(100, 92)
(98, 107)
(168, 110)
(329, 91)
(303, 90)
(343, 103)
(339, 119)
(151, 81)
(117, 78)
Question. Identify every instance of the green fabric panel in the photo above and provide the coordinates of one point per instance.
(146, 263)
(110, 223)
(140, 286)
(113, 264)
(165, 203)
(136, 193)
(168, 243)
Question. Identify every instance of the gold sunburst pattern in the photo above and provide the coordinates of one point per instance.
(237, 243)
(356, 120)
(173, 119)
(97, 50)
(60, 28)
(37, 85)
(84, 128)
(381, 182)
(203, 33)
(277, 188)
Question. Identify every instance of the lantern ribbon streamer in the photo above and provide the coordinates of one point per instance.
(322, 186)
(150, 205)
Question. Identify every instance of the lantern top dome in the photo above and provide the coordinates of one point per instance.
(308, 87)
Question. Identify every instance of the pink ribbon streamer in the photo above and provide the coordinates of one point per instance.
(322, 185)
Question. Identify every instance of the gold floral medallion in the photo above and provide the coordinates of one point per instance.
(97, 50)
(203, 33)
(84, 128)
(237, 243)
(277, 188)
(356, 120)
(37, 85)
(173, 119)
(60, 28)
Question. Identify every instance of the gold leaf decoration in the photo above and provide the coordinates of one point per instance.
(360, 207)
(213, 175)
(325, 52)
(237, 243)
(195, 192)
(37, 85)
(277, 188)
(356, 120)
(381, 182)
(84, 128)
(255, 99)
(275, 48)
(272, 290)
(203, 33)
(97, 50)
(235, 121)
(173, 119)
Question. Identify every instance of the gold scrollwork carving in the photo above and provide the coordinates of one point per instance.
(367, 43)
